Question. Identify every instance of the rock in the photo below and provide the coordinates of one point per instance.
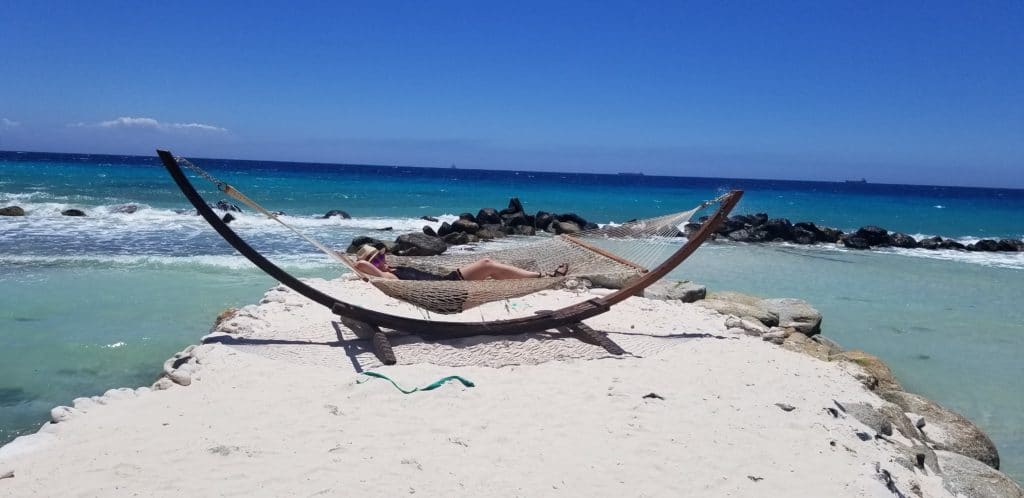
(918, 456)
(12, 211)
(489, 234)
(779, 228)
(903, 240)
(514, 220)
(575, 218)
(930, 243)
(565, 227)
(336, 212)
(987, 245)
(542, 219)
(855, 242)
(428, 218)
(831, 235)
(776, 335)
(124, 208)
(227, 206)
(796, 314)
(883, 419)
(361, 240)
(833, 347)
(749, 235)
(228, 218)
(525, 230)
(73, 212)
(946, 429)
(786, 407)
(965, 476)
(749, 326)
(874, 236)
(877, 375)
(803, 236)
(951, 244)
(739, 309)
(514, 206)
(63, 414)
(800, 343)
(1011, 245)
(675, 290)
(162, 384)
(427, 230)
(488, 215)
(467, 226)
(456, 238)
(444, 229)
(418, 244)
(737, 297)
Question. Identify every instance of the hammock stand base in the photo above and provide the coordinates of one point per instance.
(568, 320)
(384, 352)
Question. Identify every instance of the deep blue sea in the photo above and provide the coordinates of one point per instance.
(96, 302)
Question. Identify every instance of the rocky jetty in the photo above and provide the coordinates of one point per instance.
(931, 437)
(487, 224)
(760, 228)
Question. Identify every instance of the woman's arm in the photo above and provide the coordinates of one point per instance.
(366, 268)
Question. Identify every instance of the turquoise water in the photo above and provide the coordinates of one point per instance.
(99, 302)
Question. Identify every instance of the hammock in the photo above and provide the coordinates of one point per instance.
(581, 251)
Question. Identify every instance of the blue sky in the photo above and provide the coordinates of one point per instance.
(898, 92)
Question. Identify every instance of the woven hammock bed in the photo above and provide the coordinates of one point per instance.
(585, 253)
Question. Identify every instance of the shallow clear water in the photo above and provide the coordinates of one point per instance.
(99, 302)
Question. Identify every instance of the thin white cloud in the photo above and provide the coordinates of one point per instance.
(128, 122)
(7, 123)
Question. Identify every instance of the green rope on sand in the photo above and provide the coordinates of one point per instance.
(428, 387)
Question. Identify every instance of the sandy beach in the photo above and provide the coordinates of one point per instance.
(278, 408)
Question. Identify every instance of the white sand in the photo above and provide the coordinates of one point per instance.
(290, 420)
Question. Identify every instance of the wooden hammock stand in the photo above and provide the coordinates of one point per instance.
(369, 323)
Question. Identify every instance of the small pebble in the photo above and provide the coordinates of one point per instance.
(786, 407)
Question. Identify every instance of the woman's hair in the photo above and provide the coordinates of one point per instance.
(367, 252)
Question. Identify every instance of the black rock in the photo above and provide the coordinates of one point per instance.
(383, 229)
(427, 230)
(124, 208)
(749, 235)
(803, 236)
(497, 227)
(337, 212)
(514, 206)
(445, 229)
(689, 229)
(930, 243)
(903, 240)
(542, 220)
(12, 211)
(418, 244)
(591, 226)
(467, 216)
(733, 224)
(72, 212)
(456, 238)
(779, 228)
(831, 235)
(874, 236)
(488, 215)
(490, 233)
(277, 213)
(984, 245)
(525, 230)
(855, 242)
(428, 218)
(467, 226)
(227, 206)
(952, 244)
(228, 218)
(1011, 245)
(760, 219)
(514, 219)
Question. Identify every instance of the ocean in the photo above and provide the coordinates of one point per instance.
(97, 302)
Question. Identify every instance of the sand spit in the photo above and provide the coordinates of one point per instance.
(272, 407)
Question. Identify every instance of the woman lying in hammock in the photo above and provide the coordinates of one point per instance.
(371, 261)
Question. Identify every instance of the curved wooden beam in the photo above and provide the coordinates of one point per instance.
(431, 328)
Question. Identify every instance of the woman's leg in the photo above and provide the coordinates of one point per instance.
(488, 268)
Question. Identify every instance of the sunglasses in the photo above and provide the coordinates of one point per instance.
(377, 260)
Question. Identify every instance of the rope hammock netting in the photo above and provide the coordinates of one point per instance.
(610, 256)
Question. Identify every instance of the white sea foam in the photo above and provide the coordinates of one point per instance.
(310, 261)
(1012, 260)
